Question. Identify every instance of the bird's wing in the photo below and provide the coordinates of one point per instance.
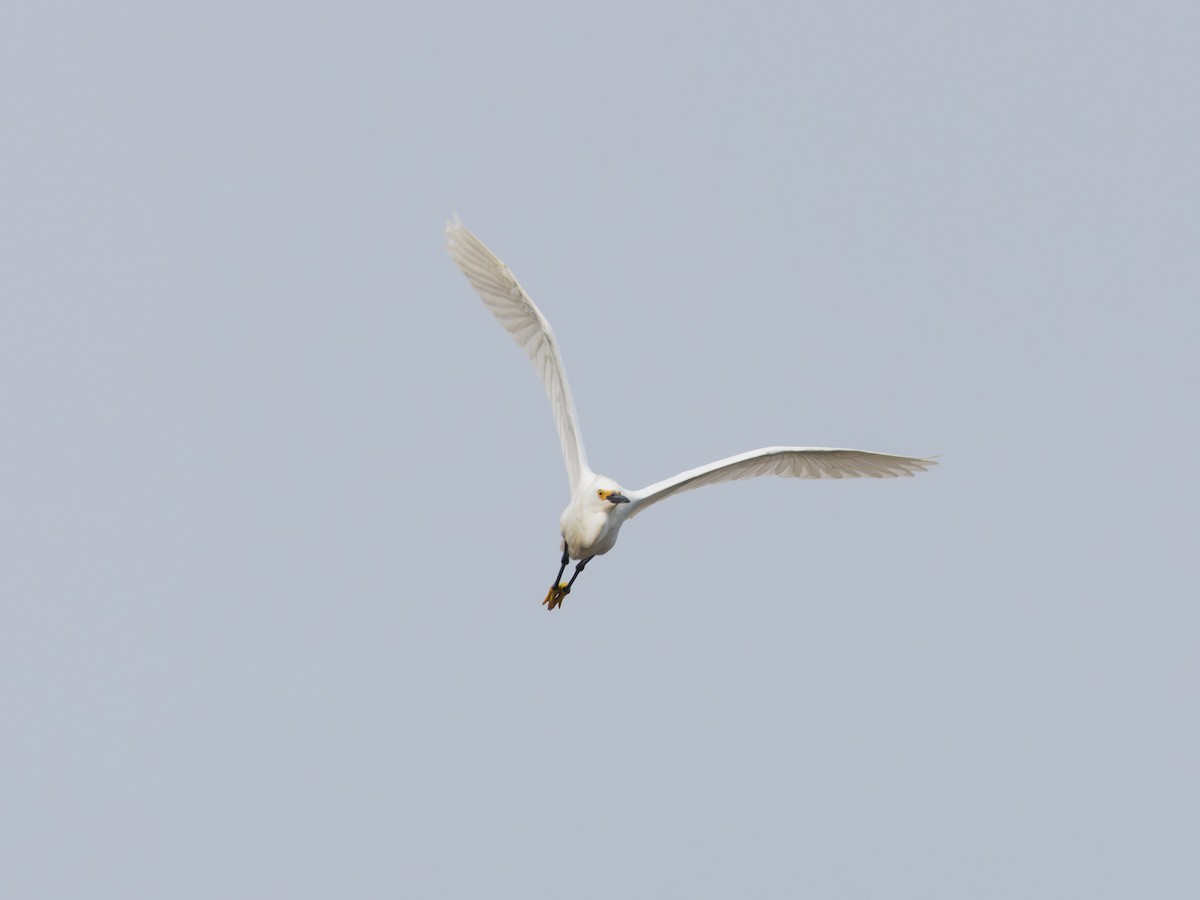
(509, 303)
(786, 462)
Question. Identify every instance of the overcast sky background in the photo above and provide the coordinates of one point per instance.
(280, 499)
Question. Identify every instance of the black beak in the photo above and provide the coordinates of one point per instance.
(617, 498)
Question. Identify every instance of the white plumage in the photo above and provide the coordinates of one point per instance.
(599, 506)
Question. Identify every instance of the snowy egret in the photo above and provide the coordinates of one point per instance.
(599, 506)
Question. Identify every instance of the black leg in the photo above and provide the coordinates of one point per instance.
(555, 596)
(578, 568)
(565, 559)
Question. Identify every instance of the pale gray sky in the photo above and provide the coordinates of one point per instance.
(280, 498)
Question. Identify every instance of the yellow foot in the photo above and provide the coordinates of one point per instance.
(554, 597)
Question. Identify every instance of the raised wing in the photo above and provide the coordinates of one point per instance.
(509, 303)
(786, 462)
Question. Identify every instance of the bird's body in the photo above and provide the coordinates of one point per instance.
(599, 507)
(589, 525)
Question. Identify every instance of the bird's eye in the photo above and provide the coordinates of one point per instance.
(600, 494)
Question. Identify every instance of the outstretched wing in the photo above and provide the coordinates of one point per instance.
(786, 462)
(509, 303)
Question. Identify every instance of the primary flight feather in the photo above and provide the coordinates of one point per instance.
(599, 506)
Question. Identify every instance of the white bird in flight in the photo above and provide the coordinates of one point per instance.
(599, 506)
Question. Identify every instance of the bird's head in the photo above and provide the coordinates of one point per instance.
(608, 494)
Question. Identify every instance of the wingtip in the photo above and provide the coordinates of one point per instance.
(454, 231)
